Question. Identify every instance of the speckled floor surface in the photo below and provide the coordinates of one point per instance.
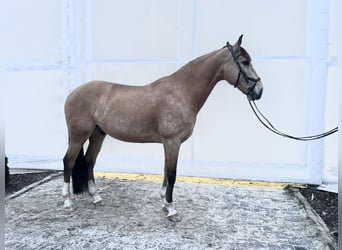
(211, 217)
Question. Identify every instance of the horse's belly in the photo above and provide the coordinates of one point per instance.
(129, 136)
(132, 129)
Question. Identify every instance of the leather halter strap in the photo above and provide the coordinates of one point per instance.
(241, 71)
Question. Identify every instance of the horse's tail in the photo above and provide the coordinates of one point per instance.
(80, 174)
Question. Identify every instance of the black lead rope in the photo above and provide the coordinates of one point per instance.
(270, 126)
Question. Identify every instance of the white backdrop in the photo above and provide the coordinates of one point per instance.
(53, 46)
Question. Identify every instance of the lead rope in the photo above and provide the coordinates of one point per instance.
(270, 126)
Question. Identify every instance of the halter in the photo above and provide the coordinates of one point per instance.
(241, 71)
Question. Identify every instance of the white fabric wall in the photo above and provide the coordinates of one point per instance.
(57, 45)
(34, 77)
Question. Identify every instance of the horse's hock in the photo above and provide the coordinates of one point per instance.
(212, 216)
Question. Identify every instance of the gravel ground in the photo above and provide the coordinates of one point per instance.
(212, 217)
(325, 204)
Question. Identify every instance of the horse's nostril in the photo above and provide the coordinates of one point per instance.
(257, 92)
(255, 95)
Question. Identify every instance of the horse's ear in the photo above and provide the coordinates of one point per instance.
(238, 43)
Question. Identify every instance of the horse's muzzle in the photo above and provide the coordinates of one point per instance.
(256, 92)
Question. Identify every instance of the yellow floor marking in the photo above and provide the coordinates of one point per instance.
(188, 179)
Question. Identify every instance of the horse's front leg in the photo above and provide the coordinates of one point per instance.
(171, 149)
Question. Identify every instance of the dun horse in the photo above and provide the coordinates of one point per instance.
(163, 111)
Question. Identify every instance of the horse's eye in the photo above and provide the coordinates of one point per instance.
(245, 63)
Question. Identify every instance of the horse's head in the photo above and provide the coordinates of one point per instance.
(239, 72)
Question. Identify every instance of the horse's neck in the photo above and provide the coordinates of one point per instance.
(200, 76)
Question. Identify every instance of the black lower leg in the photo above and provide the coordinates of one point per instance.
(164, 182)
(90, 165)
(67, 170)
(171, 179)
(80, 175)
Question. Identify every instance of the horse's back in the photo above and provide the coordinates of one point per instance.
(90, 89)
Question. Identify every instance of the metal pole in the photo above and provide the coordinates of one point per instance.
(315, 84)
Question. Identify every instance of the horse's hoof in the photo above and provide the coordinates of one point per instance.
(67, 204)
(173, 216)
(165, 208)
(97, 200)
(171, 212)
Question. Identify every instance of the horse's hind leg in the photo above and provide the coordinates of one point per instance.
(95, 144)
(74, 153)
